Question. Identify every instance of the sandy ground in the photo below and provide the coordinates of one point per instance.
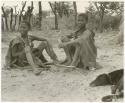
(56, 84)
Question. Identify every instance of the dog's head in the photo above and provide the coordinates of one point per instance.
(101, 80)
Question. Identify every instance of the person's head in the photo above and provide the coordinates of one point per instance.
(82, 19)
(24, 28)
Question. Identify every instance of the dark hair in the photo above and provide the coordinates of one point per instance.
(26, 23)
(83, 15)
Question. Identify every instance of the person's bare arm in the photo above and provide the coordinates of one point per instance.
(70, 35)
(73, 42)
(83, 38)
(38, 38)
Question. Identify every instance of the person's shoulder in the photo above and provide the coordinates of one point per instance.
(31, 37)
(15, 40)
(87, 32)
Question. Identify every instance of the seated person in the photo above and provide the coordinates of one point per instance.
(79, 47)
(21, 50)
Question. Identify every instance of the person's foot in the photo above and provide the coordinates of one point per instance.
(56, 62)
(37, 71)
(91, 68)
(49, 63)
(63, 61)
(7, 67)
(68, 62)
(98, 66)
(70, 66)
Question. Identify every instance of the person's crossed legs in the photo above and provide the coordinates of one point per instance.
(48, 47)
(72, 52)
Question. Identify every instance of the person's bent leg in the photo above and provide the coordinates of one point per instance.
(39, 54)
(47, 46)
(68, 59)
(76, 57)
(67, 50)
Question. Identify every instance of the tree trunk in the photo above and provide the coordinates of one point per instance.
(40, 14)
(15, 19)
(7, 28)
(100, 26)
(30, 14)
(101, 20)
(65, 10)
(121, 33)
(56, 21)
(11, 19)
(5, 16)
(75, 13)
(54, 10)
(101, 15)
(20, 16)
(2, 24)
(59, 10)
(56, 18)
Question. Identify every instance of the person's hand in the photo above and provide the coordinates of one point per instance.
(61, 45)
(37, 71)
(6, 67)
(65, 39)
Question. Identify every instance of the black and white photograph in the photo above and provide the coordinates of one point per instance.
(62, 51)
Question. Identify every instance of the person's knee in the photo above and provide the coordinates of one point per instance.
(76, 46)
(64, 39)
(43, 44)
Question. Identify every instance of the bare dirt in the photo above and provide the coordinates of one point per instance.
(56, 84)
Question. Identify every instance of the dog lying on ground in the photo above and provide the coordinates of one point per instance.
(114, 78)
(111, 78)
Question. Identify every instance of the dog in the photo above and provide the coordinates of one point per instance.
(114, 78)
(111, 78)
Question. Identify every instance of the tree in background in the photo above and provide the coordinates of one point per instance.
(2, 24)
(101, 10)
(75, 12)
(54, 10)
(11, 19)
(121, 32)
(60, 9)
(40, 14)
(63, 8)
(5, 15)
(21, 15)
(101, 7)
(102, 15)
(15, 16)
(28, 13)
